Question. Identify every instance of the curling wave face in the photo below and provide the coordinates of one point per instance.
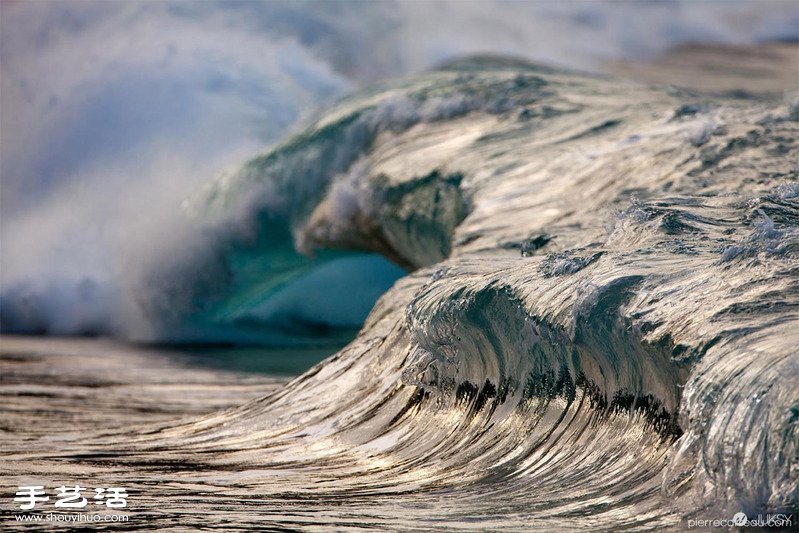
(599, 330)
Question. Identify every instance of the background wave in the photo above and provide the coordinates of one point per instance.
(113, 114)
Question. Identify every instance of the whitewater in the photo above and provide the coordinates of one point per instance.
(593, 324)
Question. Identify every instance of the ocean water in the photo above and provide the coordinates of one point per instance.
(113, 113)
(597, 330)
(285, 362)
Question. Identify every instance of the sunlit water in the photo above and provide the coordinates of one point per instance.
(599, 330)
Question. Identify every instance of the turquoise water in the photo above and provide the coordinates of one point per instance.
(283, 361)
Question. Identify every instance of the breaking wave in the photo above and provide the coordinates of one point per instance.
(599, 328)
(98, 155)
